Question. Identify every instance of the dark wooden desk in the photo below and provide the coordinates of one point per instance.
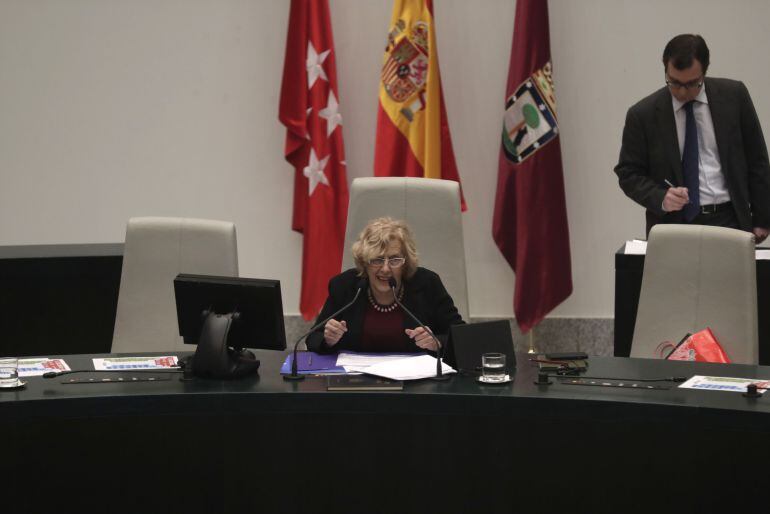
(265, 445)
(57, 299)
(628, 285)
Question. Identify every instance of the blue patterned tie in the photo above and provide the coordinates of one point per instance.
(690, 164)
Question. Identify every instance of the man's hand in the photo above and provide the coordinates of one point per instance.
(760, 234)
(675, 199)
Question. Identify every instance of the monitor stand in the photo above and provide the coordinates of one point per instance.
(214, 358)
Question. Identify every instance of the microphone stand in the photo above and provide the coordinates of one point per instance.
(440, 377)
(295, 376)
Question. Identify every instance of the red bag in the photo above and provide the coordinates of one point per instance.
(699, 347)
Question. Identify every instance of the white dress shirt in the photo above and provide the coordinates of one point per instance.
(713, 189)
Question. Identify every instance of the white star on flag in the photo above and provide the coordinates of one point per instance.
(314, 171)
(331, 114)
(314, 64)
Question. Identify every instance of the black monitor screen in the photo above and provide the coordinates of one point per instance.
(258, 302)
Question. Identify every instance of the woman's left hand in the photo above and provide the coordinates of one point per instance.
(422, 338)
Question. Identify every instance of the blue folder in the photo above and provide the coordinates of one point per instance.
(311, 362)
(326, 363)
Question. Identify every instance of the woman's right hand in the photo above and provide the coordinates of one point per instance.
(334, 330)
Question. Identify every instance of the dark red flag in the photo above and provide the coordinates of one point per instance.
(530, 219)
(310, 111)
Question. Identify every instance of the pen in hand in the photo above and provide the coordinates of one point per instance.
(669, 184)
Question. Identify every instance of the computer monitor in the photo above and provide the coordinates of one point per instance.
(225, 315)
(467, 343)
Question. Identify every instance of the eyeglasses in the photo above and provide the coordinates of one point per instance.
(393, 262)
(693, 84)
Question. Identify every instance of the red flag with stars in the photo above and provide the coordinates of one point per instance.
(310, 112)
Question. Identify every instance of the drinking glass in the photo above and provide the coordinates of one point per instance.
(9, 372)
(493, 367)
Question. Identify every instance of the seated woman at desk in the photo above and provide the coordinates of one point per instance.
(375, 323)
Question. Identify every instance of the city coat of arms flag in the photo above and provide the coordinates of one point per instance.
(413, 137)
(310, 112)
(530, 218)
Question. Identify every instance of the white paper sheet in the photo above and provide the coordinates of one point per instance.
(127, 363)
(38, 366)
(409, 368)
(636, 247)
(352, 359)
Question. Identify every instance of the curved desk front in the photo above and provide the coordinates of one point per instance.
(265, 445)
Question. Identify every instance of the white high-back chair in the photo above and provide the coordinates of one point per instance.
(156, 250)
(431, 207)
(697, 277)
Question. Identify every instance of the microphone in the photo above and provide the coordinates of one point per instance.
(439, 373)
(360, 286)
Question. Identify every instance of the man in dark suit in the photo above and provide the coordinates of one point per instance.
(693, 151)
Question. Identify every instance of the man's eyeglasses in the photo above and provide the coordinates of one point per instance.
(393, 262)
(693, 84)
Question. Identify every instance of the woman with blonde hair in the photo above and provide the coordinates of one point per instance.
(385, 251)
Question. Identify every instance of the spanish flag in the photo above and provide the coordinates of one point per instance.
(413, 137)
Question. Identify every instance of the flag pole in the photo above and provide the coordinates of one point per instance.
(532, 349)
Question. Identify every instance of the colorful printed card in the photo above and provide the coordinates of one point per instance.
(128, 363)
(724, 383)
(37, 366)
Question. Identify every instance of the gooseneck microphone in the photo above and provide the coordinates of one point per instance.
(439, 373)
(360, 286)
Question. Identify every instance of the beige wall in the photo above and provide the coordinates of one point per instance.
(117, 108)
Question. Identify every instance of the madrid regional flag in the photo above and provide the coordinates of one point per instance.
(413, 137)
(310, 111)
(530, 219)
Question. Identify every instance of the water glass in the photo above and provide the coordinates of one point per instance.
(493, 367)
(9, 371)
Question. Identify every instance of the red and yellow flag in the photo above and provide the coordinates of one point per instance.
(413, 137)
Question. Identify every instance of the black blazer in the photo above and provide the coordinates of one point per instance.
(424, 295)
(650, 155)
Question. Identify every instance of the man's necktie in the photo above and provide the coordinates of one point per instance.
(690, 164)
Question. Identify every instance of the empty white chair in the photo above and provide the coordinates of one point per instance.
(431, 207)
(697, 277)
(156, 250)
